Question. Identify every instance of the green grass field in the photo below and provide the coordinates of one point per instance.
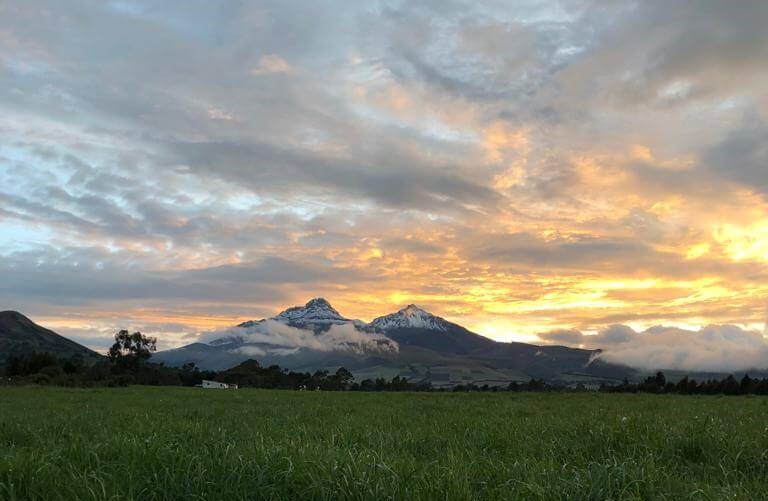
(187, 443)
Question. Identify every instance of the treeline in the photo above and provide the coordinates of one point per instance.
(250, 374)
(726, 386)
(128, 362)
(47, 369)
(515, 386)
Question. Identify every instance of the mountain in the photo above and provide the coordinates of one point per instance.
(417, 327)
(414, 327)
(410, 317)
(312, 336)
(410, 342)
(20, 336)
(317, 313)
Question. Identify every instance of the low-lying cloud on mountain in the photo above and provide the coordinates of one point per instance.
(411, 342)
(712, 348)
(274, 337)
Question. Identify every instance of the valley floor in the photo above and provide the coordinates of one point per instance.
(186, 443)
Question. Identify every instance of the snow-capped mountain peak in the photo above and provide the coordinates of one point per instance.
(316, 311)
(316, 326)
(410, 317)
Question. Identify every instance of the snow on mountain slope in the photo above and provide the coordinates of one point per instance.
(316, 326)
(317, 313)
(317, 336)
(271, 334)
(410, 317)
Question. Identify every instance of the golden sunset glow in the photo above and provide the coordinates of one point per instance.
(743, 243)
(515, 174)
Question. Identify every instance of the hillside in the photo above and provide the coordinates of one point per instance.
(410, 343)
(20, 336)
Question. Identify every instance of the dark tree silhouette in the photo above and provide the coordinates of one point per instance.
(343, 378)
(131, 351)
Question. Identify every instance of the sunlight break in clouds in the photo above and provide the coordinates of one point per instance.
(559, 165)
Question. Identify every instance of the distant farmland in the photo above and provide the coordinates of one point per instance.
(187, 443)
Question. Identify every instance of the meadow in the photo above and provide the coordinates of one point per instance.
(148, 443)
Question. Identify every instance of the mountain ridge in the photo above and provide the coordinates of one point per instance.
(317, 314)
(20, 336)
(410, 342)
(400, 341)
(411, 316)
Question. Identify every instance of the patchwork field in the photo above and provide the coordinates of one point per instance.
(186, 443)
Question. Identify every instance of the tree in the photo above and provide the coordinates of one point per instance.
(343, 378)
(130, 351)
(74, 364)
(190, 374)
(730, 386)
(747, 384)
(14, 366)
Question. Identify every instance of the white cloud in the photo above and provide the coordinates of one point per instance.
(251, 351)
(284, 340)
(712, 348)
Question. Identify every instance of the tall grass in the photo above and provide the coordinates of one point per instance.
(185, 443)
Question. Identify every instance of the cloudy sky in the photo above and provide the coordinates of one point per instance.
(521, 168)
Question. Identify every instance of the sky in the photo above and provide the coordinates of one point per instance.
(540, 171)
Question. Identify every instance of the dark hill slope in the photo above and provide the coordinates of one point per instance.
(21, 336)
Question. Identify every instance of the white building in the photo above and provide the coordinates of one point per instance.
(217, 385)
